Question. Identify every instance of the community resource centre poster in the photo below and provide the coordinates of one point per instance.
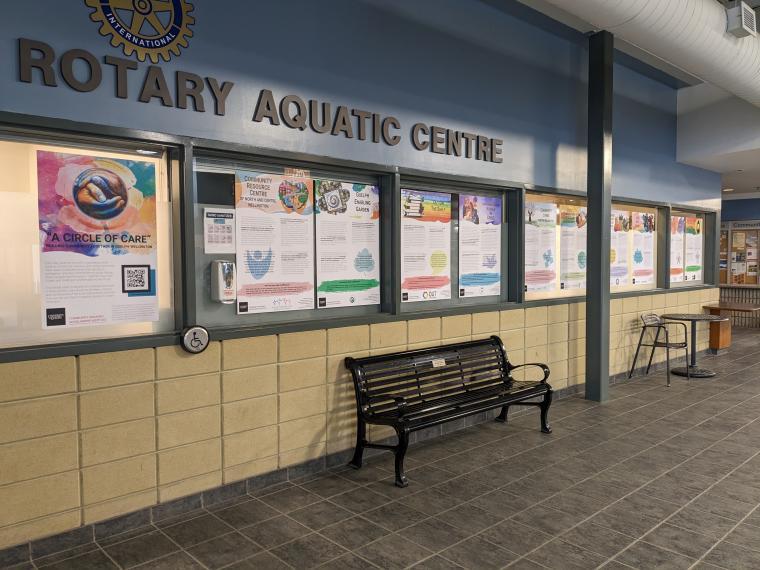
(677, 229)
(97, 219)
(348, 243)
(619, 232)
(572, 233)
(274, 242)
(693, 262)
(425, 246)
(643, 248)
(540, 246)
(479, 245)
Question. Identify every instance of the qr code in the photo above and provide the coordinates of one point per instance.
(135, 278)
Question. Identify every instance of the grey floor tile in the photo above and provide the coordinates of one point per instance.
(319, 515)
(645, 555)
(348, 561)
(745, 535)
(432, 501)
(428, 475)
(436, 563)
(290, 499)
(516, 537)
(477, 552)
(468, 517)
(545, 519)
(598, 539)
(224, 550)
(394, 516)
(434, 535)
(176, 561)
(625, 521)
(502, 503)
(141, 549)
(308, 551)
(247, 513)
(329, 485)
(702, 522)
(96, 560)
(276, 531)
(260, 561)
(354, 533)
(360, 500)
(722, 506)
(680, 540)
(394, 551)
(734, 557)
(563, 555)
(201, 529)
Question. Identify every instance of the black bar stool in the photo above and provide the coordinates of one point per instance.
(652, 321)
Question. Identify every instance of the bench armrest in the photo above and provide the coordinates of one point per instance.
(401, 403)
(543, 367)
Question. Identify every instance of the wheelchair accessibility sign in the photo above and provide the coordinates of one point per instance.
(195, 339)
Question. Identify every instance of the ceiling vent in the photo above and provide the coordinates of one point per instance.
(741, 20)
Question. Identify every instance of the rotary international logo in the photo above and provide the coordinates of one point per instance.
(151, 29)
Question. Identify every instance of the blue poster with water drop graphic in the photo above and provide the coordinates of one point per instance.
(480, 222)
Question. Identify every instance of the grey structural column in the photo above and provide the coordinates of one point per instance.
(599, 210)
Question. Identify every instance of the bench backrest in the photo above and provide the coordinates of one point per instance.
(428, 374)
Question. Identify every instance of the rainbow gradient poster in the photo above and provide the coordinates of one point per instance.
(97, 221)
(425, 246)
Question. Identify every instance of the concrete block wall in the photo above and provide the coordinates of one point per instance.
(88, 438)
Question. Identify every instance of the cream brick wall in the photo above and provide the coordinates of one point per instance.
(83, 439)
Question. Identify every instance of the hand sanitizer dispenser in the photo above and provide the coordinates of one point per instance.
(223, 281)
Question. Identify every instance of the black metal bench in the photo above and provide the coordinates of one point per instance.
(417, 389)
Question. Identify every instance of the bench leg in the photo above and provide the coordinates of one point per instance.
(545, 427)
(361, 438)
(400, 452)
(502, 417)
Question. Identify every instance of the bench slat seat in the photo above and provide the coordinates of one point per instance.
(414, 390)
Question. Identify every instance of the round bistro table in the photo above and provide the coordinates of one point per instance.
(694, 370)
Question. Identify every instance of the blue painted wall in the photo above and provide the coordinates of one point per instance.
(737, 210)
(462, 64)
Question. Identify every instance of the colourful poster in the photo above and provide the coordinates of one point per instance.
(479, 245)
(540, 246)
(693, 233)
(677, 228)
(643, 248)
(348, 243)
(572, 233)
(620, 230)
(274, 242)
(425, 246)
(98, 255)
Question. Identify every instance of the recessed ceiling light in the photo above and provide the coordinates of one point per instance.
(728, 189)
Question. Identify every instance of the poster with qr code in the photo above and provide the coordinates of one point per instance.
(97, 221)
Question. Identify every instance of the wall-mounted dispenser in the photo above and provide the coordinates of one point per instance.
(223, 281)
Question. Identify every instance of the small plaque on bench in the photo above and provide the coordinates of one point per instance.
(438, 362)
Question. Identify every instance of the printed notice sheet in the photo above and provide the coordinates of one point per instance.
(425, 246)
(479, 245)
(693, 237)
(572, 229)
(677, 229)
(274, 242)
(540, 244)
(643, 248)
(619, 253)
(218, 230)
(97, 221)
(348, 243)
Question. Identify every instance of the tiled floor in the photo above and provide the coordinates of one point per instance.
(654, 478)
